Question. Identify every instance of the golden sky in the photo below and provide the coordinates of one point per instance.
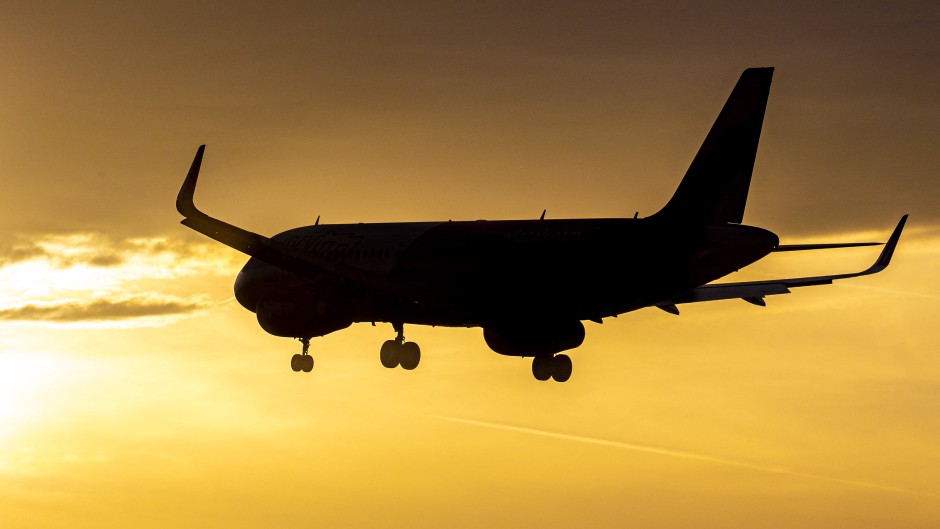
(135, 392)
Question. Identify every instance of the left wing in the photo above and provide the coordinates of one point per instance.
(754, 291)
(309, 265)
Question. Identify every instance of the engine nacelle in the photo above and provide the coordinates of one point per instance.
(543, 338)
(304, 312)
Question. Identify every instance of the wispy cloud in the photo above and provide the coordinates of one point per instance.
(896, 291)
(87, 277)
(95, 249)
(103, 309)
(681, 454)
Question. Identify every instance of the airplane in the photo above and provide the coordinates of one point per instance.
(529, 284)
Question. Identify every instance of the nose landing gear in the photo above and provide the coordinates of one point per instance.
(302, 362)
(398, 352)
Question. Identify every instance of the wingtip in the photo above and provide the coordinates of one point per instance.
(888, 251)
(184, 200)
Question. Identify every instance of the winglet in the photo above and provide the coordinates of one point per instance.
(888, 250)
(184, 200)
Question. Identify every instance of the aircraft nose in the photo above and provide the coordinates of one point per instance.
(245, 293)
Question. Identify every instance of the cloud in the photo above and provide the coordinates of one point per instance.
(104, 309)
(92, 278)
(174, 256)
(64, 250)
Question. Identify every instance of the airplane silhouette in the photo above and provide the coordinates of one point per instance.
(528, 283)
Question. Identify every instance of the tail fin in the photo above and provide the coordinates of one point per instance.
(714, 189)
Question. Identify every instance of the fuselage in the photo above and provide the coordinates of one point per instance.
(493, 273)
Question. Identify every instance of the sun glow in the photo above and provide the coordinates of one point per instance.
(41, 279)
(24, 378)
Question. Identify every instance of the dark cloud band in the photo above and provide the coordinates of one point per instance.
(103, 309)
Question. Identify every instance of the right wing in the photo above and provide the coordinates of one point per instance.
(830, 246)
(274, 252)
(754, 291)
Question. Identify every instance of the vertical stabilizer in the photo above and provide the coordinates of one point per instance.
(714, 189)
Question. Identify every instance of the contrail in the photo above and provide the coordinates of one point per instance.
(892, 291)
(649, 449)
(678, 454)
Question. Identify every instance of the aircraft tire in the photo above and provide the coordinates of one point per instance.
(296, 363)
(561, 368)
(389, 354)
(410, 355)
(542, 368)
(307, 363)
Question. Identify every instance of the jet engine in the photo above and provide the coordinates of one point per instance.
(537, 339)
(304, 312)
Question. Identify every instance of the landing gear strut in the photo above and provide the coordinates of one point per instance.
(557, 367)
(302, 362)
(398, 352)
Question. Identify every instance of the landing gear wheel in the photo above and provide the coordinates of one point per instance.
(561, 368)
(542, 367)
(399, 352)
(296, 363)
(307, 363)
(389, 354)
(410, 355)
(303, 361)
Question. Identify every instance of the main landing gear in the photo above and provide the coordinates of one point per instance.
(302, 362)
(557, 367)
(398, 352)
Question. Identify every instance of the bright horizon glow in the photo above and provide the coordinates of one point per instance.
(24, 378)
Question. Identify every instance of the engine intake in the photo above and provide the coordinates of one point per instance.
(303, 313)
(542, 338)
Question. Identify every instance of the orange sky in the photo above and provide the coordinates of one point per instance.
(135, 392)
